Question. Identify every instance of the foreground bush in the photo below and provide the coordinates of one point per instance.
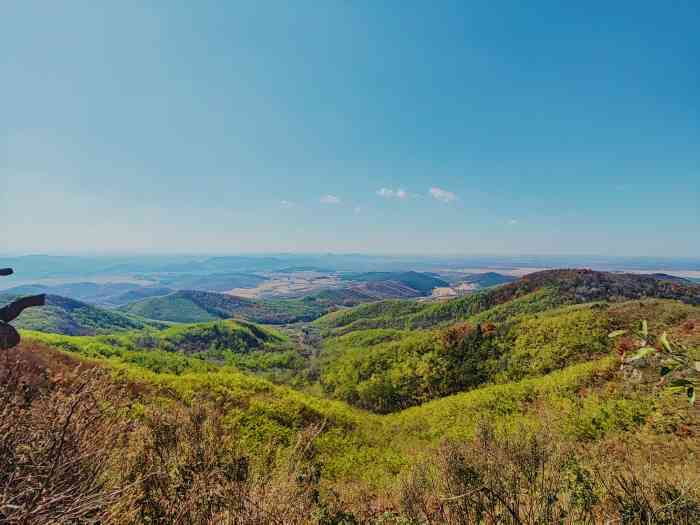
(186, 467)
(77, 448)
(535, 479)
(56, 445)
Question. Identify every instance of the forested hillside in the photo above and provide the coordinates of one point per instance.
(68, 316)
(533, 293)
(566, 396)
(423, 283)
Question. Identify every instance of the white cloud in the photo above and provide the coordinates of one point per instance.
(388, 193)
(286, 204)
(330, 199)
(513, 221)
(357, 210)
(442, 195)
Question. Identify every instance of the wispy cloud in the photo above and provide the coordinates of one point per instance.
(513, 221)
(442, 195)
(357, 210)
(388, 193)
(286, 204)
(330, 199)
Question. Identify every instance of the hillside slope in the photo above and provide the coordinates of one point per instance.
(387, 370)
(196, 306)
(68, 316)
(423, 283)
(533, 293)
(488, 279)
(238, 343)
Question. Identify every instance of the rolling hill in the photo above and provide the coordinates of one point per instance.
(488, 279)
(99, 294)
(533, 293)
(67, 316)
(191, 306)
(422, 283)
(196, 306)
(241, 344)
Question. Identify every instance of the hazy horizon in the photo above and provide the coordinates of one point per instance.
(379, 254)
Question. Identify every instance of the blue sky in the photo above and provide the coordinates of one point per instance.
(323, 126)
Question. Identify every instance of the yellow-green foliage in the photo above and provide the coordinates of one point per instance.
(595, 416)
(385, 370)
(456, 416)
(549, 342)
(238, 343)
(482, 306)
(356, 444)
(558, 355)
(543, 300)
(366, 338)
(92, 347)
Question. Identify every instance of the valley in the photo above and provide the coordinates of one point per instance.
(380, 386)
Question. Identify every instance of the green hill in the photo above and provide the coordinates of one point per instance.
(533, 293)
(68, 316)
(488, 279)
(423, 283)
(238, 343)
(386, 370)
(195, 306)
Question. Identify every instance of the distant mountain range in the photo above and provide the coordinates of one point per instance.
(362, 287)
(215, 282)
(48, 266)
(140, 307)
(102, 294)
(121, 293)
(423, 283)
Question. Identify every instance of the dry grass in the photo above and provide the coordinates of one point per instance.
(527, 479)
(185, 467)
(57, 437)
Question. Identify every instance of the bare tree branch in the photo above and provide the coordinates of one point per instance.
(12, 310)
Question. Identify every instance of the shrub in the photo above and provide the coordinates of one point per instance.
(534, 478)
(57, 440)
